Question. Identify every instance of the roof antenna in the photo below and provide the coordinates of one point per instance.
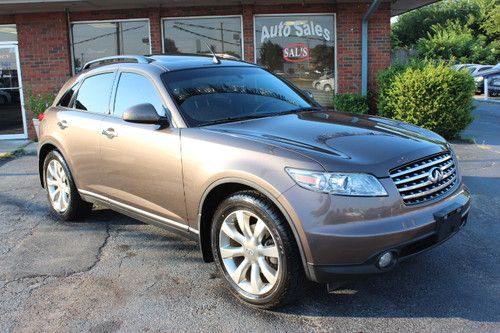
(215, 59)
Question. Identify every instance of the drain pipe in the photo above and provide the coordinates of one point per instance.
(364, 46)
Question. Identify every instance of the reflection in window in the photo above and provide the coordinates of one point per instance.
(93, 94)
(223, 34)
(8, 33)
(218, 94)
(134, 89)
(102, 39)
(300, 48)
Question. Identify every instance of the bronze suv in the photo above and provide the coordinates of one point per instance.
(274, 188)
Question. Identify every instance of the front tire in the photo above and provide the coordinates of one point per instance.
(64, 199)
(256, 252)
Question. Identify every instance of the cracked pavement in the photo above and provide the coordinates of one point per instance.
(112, 273)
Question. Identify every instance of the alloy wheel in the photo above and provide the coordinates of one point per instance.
(57, 186)
(249, 252)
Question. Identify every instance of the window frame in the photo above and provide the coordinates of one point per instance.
(82, 80)
(71, 23)
(117, 83)
(169, 18)
(335, 68)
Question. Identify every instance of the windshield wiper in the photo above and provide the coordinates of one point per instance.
(307, 108)
(230, 120)
(263, 115)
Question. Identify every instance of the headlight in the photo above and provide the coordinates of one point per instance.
(478, 78)
(353, 184)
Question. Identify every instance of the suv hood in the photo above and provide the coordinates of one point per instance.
(341, 141)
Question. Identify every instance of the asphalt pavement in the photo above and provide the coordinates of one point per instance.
(112, 273)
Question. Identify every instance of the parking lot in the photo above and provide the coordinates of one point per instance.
(112, 273)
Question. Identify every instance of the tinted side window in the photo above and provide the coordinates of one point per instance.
(135, 89)
(93, 95)
(66, 98)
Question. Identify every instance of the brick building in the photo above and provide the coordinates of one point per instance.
(318, 44)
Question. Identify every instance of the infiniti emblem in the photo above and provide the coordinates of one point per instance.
(435, 175)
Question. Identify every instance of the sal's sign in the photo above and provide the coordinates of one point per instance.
(295, 29)
(296, 52)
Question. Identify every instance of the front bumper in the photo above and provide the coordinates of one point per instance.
(338, 239)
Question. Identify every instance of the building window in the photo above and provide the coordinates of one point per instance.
(8, 33)
(300, 48)
(189, 35)
(93, 40)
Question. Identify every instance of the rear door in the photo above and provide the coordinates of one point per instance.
(79, 123)
(141, 163)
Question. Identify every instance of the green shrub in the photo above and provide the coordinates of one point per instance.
(351, 103)
(430, 95)
(38, 103)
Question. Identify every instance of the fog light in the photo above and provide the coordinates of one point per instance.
(385, 260)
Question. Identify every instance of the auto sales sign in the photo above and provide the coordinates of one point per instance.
(296, 52)
(302, 28)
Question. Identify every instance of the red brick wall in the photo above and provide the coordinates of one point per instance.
(379, 43)
(45, 55)
(43, 50)
(7, 19)
(349, 18)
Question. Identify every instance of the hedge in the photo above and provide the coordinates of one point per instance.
(353, 103)
(430, 95)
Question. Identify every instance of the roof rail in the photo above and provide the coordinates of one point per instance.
(120, 58)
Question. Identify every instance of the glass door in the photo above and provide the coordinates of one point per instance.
(12, 119)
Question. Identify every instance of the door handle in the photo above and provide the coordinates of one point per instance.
(109, 133)
(62, 124)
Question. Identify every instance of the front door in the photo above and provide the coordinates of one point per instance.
(141, 164)
(12, 119)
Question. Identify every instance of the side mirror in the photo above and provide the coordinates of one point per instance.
(308, 93)
(144, 114)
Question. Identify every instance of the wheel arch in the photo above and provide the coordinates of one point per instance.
(220, 190)
(43, 151)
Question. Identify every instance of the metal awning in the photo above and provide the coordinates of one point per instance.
(29, 6)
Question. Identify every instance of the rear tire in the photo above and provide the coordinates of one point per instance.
(327, 87)
(263, 268)
(64, 199)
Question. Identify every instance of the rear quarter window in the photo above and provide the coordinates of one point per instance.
(66, 98)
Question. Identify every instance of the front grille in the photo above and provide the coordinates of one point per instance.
(414, 183)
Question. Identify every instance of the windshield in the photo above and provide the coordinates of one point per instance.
(223, 94)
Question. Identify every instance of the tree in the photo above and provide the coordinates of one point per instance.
(414, 25)
(452, 30)
(170, 46)
(322, 56)
(491, 23)
(452, 41)
(271, 56)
